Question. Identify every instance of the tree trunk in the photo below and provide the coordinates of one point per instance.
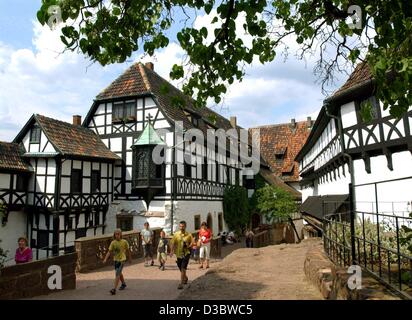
(294, 228)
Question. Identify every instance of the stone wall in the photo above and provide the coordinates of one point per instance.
(262, 239)
(92, 250)
(216, 248)
(30, 279)
(332, 280)
(284, 232)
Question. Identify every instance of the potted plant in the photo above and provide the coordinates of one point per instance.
(116, 120)
(131, 118)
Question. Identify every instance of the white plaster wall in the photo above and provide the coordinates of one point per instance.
(307, 192)
(348, 114)
(393, 195)
(294, 185)
(26, 142)
(9, 234)
(187, 210)
(66, 167)
(183, 210)
(324, 187)
(116, 207)
(4, 181)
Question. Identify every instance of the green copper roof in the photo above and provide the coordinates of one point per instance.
(148, 137)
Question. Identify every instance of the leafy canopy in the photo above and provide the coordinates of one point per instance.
(110, 31)
(275, 202)
(236, 207)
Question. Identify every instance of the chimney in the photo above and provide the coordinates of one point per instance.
(309, 122)
(149, 65)
(233, 122)
(293, 122)
(77, 120)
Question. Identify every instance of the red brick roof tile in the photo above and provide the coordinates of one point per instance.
(279, 144)
(10, 158)
(139, 80)
(74, 140)
(360, 75)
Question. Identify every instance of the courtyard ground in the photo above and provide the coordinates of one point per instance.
(273, 272)
(269, 273)
(143, 283)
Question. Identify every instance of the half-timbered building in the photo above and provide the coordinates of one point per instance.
(343, 149)
(14, 174)
(62, 181)
(140, 111)
(65, 188)
(279, 145)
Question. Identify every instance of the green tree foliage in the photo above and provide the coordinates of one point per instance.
(274, 202)
(3, 256)
(3, 212)
(110, 31)
(236, 207)
(253, 200)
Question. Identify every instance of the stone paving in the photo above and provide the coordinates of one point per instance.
(142, 282)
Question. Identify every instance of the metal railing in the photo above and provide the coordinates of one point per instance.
(378, 242)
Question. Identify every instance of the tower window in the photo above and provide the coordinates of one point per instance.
(35, 134)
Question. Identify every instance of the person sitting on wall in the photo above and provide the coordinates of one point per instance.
(249, 238)
(23, 253)
(231, 239)
(223, 237)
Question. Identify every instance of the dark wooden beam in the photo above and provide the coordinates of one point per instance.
(388, 155)
(367, 161)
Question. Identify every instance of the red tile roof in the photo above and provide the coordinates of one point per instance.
(273, 179)
(140, 80)
(359, 76)
(10, 158)
(279, 144)
(74, 140)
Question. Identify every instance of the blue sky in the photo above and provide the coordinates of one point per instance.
(36, 78)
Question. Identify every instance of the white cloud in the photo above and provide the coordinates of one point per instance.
(46, 81)
(165, 59)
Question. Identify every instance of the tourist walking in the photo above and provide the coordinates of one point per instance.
(162, 250)
(23, 253)
(147, 242)
(180, 246)
(118, 248)
(195, 250)
(249, 238)
(205, 236)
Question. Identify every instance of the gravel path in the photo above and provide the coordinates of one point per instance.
(143, 283)
(269, 273)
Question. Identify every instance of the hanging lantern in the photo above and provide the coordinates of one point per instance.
(147, 176)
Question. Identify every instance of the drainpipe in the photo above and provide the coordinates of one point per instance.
(352, 196)
(173, 181)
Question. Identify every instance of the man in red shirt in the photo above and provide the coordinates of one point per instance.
(205, 236)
